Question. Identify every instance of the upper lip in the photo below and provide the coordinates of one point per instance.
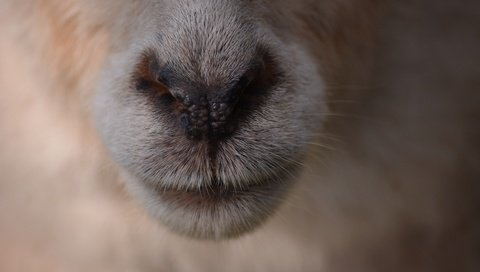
(215, 189)
(213, 193)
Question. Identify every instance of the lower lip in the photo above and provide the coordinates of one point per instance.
(208, 197)
(216, 213)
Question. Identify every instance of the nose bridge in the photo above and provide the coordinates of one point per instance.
(217, 37)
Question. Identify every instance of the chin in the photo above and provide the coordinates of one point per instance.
(212, 212)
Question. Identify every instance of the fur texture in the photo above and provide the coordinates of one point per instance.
(362, 157)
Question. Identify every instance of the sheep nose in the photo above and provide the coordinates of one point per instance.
(206, 111)
(211, 114)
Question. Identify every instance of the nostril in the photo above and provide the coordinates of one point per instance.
(245, 81)
(149, 77)
(228, 101)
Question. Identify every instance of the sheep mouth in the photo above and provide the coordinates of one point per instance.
(211, 195)
(218, 212)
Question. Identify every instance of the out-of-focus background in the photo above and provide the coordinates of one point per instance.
(63, 209)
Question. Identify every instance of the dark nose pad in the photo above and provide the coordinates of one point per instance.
(194, 115)
(210, 114)
(208, 117)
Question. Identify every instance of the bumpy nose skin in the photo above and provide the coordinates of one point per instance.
(220, 124)
(204, 117)
(210, 114)
(194, 115)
